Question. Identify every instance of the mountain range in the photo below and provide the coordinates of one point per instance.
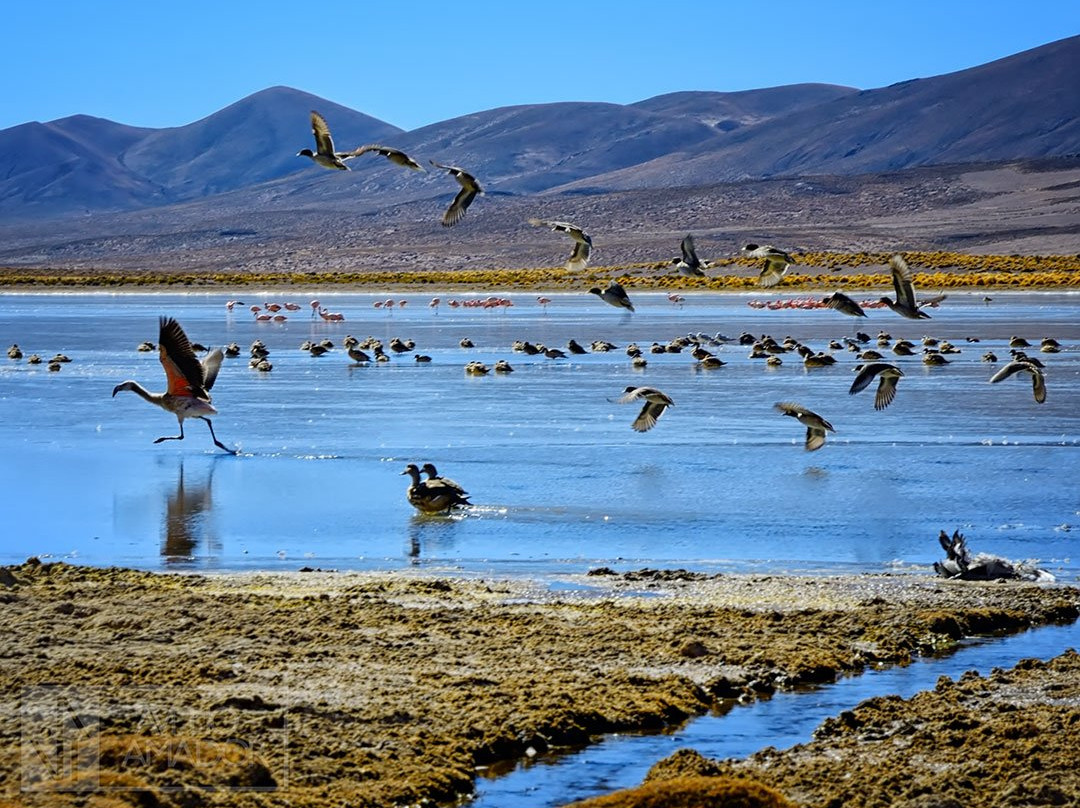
(243, 158)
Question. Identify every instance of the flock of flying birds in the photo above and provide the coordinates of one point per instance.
(189, 379)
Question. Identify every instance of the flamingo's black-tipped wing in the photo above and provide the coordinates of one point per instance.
(183, 370)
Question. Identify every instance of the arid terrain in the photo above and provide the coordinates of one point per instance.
(332, 688)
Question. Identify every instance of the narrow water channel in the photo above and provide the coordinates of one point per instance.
(622, 760)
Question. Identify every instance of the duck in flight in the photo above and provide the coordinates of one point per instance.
(888, 375)
(843, 304)
(614, 295)
(324, 153)
(189, 380)
(1038, 380)
(469, 189)
(689, 264)
(775, 263)
(579, 258)
(395, 156)
(655, 400)
(905, 304)
(816, 426)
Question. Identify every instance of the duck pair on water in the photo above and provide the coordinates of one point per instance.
(435, 494)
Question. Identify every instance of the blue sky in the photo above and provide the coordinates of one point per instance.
(414, 63)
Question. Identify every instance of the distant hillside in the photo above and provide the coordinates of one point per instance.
(1021, 107)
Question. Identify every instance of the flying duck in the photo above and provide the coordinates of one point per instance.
(324, 153)
(469, 189)
(843, 304)
(905, 304)
(1038, 381)
(614, 294)
(655, 404)
(689, 264)
(393, 155)
(816, 426)
(579, 258)
(775, 266)
(888, 376)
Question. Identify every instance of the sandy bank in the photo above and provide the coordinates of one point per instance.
(360, 689)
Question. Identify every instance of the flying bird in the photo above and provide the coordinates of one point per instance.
(905, 304)
(888, 375)
(1038, 381)
(614, 294)
(469, 189)
(816, 426)
(324, 153)
(843, 304)
(775, 263)
(189, 380)
(431, 496)
(579, 258)
(689, 264)
(655, 404)
(393, 155)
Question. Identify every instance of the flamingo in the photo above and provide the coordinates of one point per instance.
(543, 301)
(331, 317)
(189, 380)
(315, 306)
(434, 304)
(274, 307)
(292, 307)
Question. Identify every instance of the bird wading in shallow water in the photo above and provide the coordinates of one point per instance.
(579, 257)
(189, 380)
(615, 295)
(469, 189)
(816, 426)
(655, 400)
(324, 154)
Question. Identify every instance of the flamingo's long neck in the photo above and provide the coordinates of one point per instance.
(138, 389)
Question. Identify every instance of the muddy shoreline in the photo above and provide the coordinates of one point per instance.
(365, 689)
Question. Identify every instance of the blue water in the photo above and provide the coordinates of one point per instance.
(621, 761)
(560, 481)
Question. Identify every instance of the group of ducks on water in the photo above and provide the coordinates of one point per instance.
(775, 261)
(190, 380)
(15, 352)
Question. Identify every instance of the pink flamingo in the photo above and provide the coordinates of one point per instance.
(331, 317)
(543, 301)
(274, 307)
(315, 306)
(434, 304)
(230, 303)
(292, 307)
(453, 303)
(280, 318)
(401, 303)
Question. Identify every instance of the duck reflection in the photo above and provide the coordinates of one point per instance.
(432, 531)
(188, 518)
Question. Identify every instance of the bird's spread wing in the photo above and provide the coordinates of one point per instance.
(457, 208)
(866, 375)
(771, 273)
(648, 416)
(901, 278)
(689, 255)
(324, 144)
(1009, 369)
(886, 392)
(183, 370)
(211, 365)
(579, 258)
(815, 438)
(1038, 385)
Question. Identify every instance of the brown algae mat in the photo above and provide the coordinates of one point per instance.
(129, 688)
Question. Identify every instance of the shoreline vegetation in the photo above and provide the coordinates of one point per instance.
(815, 270)
(322, 687)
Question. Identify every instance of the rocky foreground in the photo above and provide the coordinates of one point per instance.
(126, 688)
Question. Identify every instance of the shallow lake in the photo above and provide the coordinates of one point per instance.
(559, 479)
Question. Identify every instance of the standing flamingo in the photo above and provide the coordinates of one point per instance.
(434, 304)
(315, 306)
(189, 380)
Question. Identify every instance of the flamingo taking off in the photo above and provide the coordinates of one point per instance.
(189, 380)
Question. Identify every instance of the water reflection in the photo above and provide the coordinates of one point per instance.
(188, 518)
(431, 531)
